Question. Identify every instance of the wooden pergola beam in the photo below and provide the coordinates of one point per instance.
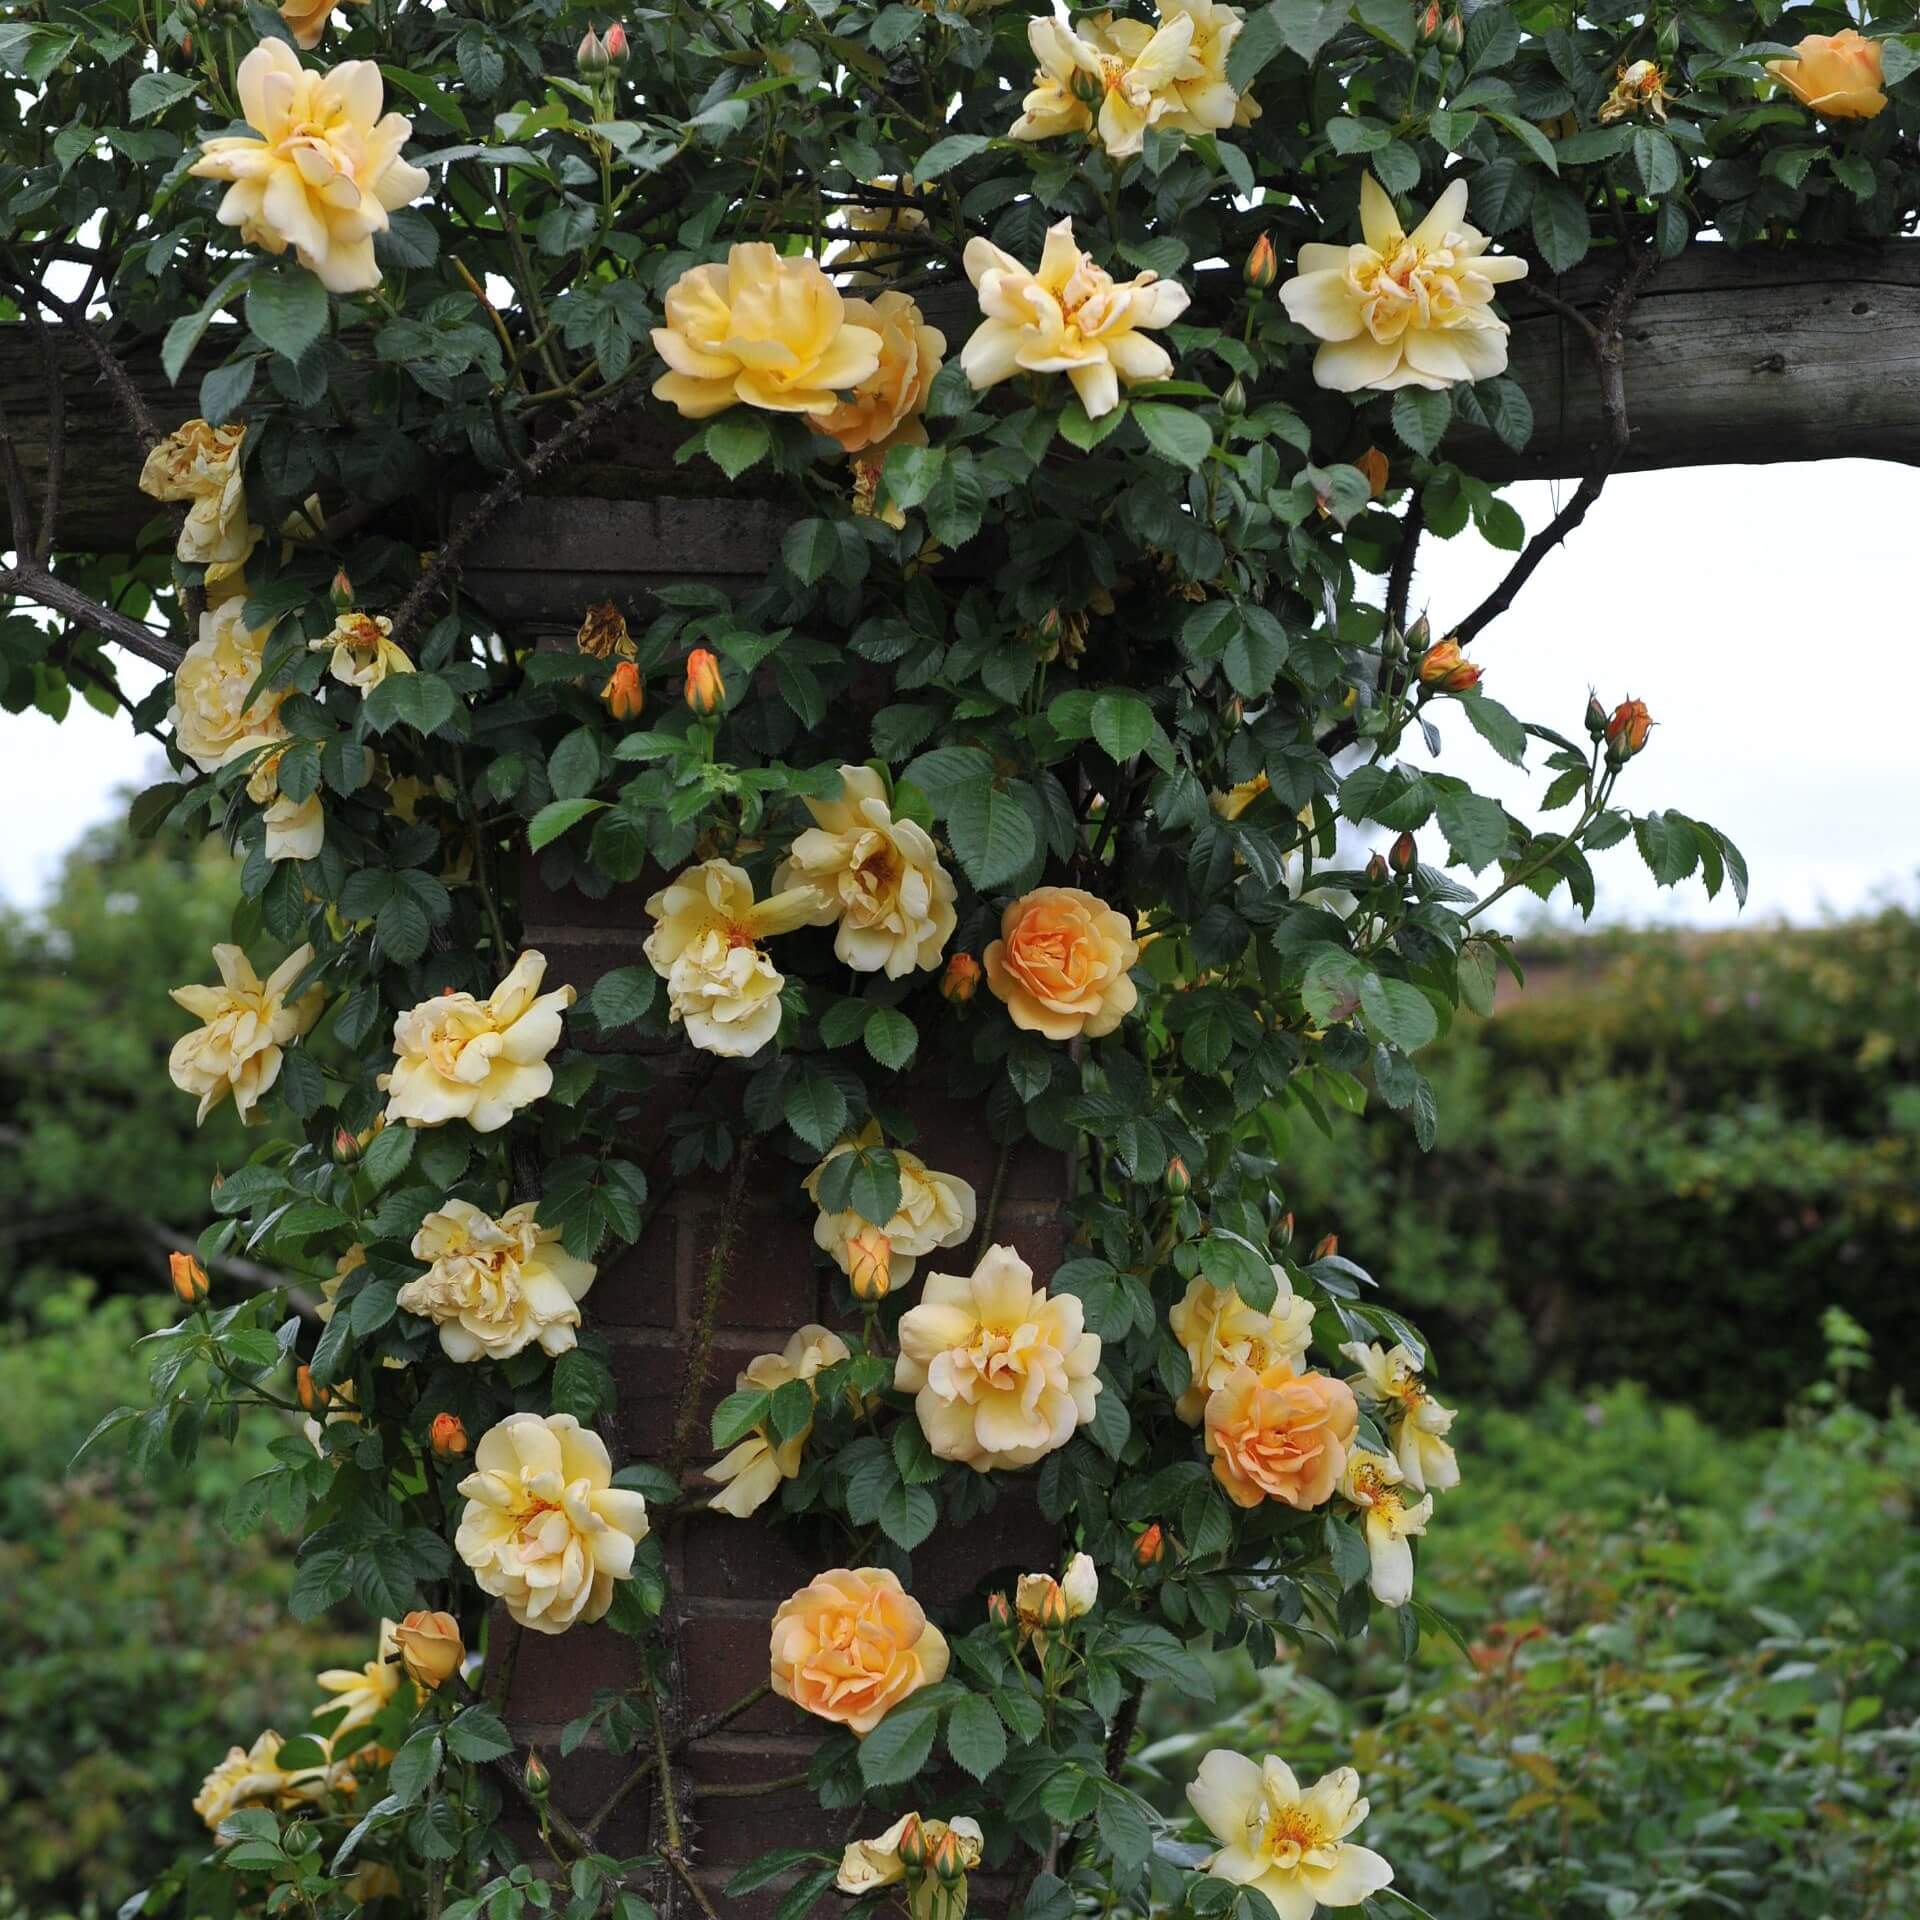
(1771, 354)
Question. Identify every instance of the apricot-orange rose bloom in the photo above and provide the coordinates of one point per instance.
(852, 1645)
(1061, 964)
(1280, 1435)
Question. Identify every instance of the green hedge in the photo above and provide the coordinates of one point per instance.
(1658, 1162)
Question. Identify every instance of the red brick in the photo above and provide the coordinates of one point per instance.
(731, 1829)
(641, 1286)
(740, 1559)
(647, 1379)
(774, 1274)
(958, 1564)
(723, 1656)
(555, 1675)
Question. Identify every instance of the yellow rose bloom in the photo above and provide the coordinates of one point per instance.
(253, 1777)
(494, 1287)
(481, 1061)
(879, 877)
(1061, 964)
(363, 652)
(1221, 1332)
(1417, 1423)
(1284, 1841)
(212, 718)
(1203, 99)
(1067, 316)
(244, 1025)
(1001, 1374)
(705, 944)
(307, 20)
(545, 1529)
(201, 464)
(1280, 1435)
(324, 171)
(430, 1648)
(870, 1864)
(1838, 75)
(1403, 309)
(1124, 64)
(884, 409)
(1372, 1484)
(360, 1694)
(763, 330)
(852, 1644)
(935, 1210)
(750, 1473)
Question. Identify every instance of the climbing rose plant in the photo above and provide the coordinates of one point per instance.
(1110, 369)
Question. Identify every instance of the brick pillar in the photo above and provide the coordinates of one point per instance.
(728, 1575)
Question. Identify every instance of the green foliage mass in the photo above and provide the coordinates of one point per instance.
(1654, 1164)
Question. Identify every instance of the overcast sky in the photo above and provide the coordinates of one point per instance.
(1757, 610)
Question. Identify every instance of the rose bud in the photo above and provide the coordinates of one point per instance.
(1151, 1548)
(618, 52)
(1263, 264)
(1179, 1180)
(341, 591)
(1376, 869)
(591, 54)
(1429, 22)
(430, 1648)
(189, 1279)
(1453, 33)
(1282, 1235)
(870, 1263)
(949, 1863)
(1088, 88)
(1373, 463)
(998, 1610)
(706, 690)
(447, 1436)
(1053, 1607)
(535, 1777)
(1596, 719)
(623, 693)
(1233, 403)
(1329, 1245)
(1627, 730)
(912, 1848)
(961, 980)
(1402, 854)
(307, 1391)
(1419, 635)
(1446, 667)
(297, 1837)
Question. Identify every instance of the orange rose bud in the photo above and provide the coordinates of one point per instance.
(623, 693)
(312, 1396)
(869, 1263)
(1151, 1548)
(1179, 1180)
(618, 52)
(1373, 463)
(535, 1777)
(430, 1648)
(447, 1436)
(341, 591)
(1328, 1247)
(1376, 869)
(999, 1611)
(1446, 667)
(1402, 854)
(706, 691)
(912, 1848)
(189, 1279)
(1263, 264)
(1430, 21)
(1053, 1607)
(1282, 1235)
(1627, 730)
(961, 980)
(949, 1863)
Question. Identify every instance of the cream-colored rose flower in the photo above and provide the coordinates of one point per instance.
(296, 829)
(1067, 316)
(870, 1864)
(1000, 1374)
(1061, 964)
(307, 20)
(1838, 75)
(212, 717)
(1417, 1424)
(245, 1023)
(324, 171)
(1372, 1483)
(1280, 1435)
(1220, 1332)
(481, 1061)
(494, 1287)
(545, 1529)
(253, 1777)
(360, 1694)
(1286, 1842)
(750, 1473)
(884, 409)
(1204, 99)
(935, 1210)
(1124, 64)
(201, 464)
(1403, 309)
(705, 944)
(363, 651)
(764, 330)
(852, 1644)
(879, 877)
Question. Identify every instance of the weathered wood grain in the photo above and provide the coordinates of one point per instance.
(1789, 353)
